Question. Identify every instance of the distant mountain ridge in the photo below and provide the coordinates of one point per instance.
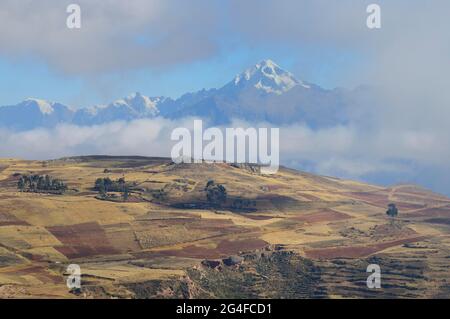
(262, 93)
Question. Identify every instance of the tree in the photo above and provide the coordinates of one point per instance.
(63, 187)
(216, 194)
(108, 183)
(102, 190)
(392, 210)
(105, 185)
(27, 181)
(125, 193)
(160, 194)
(48, 182)
(21, 184)
(40, 183)
(99, 183)
(121, 184)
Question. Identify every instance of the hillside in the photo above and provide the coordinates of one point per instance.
(289, 235)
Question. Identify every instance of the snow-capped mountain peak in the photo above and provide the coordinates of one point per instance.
(255, 95)
(269, 77)
(139, 103)
(44, 106)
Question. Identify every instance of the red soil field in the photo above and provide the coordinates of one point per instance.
(82, 240)
(7, 219)
(38, 272)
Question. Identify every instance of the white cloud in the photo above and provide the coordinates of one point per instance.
(407, 60)
(341, 151)
(115, 35)
(142, 137)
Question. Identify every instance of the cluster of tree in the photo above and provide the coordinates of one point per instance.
(160, 194)
(216, 194)
(41, 183)
(105, 185)
(243, 203)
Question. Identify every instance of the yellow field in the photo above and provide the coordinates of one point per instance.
(147, 241)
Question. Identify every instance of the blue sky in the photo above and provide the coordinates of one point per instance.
(30, 77)
(169, 47)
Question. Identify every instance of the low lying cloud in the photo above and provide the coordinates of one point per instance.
(341, 151)
(140, 137)
(383, 155)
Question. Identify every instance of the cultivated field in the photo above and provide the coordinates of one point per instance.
(289, 235)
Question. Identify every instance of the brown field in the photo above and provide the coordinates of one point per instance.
(148, 246)
(432, 212)
(323, 215)
(357, 251)
(82, 240)
(8, 219)
(221, 249)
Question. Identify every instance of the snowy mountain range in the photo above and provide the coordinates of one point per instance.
(264, 92)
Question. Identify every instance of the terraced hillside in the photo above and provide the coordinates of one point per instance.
(288, 235)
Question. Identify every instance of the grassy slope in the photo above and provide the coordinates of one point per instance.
(150, 248)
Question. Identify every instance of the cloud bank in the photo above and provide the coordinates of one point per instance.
(115, 35)
(345, 151)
